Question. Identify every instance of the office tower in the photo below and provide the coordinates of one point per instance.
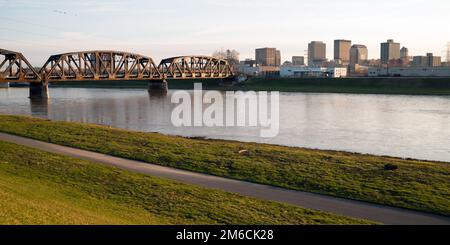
(404, 56)
(316, 53)
(267, 57)
(358, 54)
(404, 53)
(277, 58)
(342, 51)
(390, 50)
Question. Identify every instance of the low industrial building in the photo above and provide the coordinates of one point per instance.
(254, 70)
(295, 71)
(441, 71)
(356, 70)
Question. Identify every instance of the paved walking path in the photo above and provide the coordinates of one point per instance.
(380, 213)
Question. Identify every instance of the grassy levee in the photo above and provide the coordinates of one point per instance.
(37, 187)
(419, 185)
(392, 85)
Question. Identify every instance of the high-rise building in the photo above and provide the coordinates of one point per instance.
(316, 53)
(268, 57)
(358, 54)
(404, 56)
(277, 58)
(298, 60)
(342, 51)
(390, 50)
(404, 53)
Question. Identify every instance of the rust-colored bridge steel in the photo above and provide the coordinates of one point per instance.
(15, 67)
(108, 65)
(99, 65)
(195, 67)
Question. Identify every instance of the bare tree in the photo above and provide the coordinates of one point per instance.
(232, 56)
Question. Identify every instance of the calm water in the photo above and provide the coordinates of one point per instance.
(403, 126)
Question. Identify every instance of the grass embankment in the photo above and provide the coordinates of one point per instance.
(393, 85)
(415, 184)
(43, 188)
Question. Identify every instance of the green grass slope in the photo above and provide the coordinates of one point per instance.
(418, 185)
(43, 188)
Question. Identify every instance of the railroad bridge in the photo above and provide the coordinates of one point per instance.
(108, 65)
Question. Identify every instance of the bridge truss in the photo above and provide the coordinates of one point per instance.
(15, 67)
(195, 67)
(110, 65)
(99, 65)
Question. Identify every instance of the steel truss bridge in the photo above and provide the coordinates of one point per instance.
(108, 65)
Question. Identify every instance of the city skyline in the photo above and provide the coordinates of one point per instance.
(49, 27)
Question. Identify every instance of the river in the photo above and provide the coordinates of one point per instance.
(394, 125)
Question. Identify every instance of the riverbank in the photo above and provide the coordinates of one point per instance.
(44, 188)
(393, 85)
(412, 184)
(409, 86)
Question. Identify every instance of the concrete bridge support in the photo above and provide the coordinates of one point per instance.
(158, 86)
(4, 85)
(39, 91)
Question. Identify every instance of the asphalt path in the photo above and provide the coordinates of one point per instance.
(351, 208)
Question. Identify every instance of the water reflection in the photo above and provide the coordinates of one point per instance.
(404, 126)
(39, 107)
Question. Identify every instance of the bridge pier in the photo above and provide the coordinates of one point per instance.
(158, 86)
(39, 91)
(4, 85)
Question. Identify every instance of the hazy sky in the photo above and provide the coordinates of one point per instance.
(179, 27)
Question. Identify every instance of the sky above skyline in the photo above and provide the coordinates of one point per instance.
(169, 28)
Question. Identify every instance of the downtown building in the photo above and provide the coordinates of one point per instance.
(342, 52)
(390, 51)
(427, 61)
(404, 56)
(268, 57)
(317, 52)
(266, 63)
(404, 53)
(298, 60)
(358, 54)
